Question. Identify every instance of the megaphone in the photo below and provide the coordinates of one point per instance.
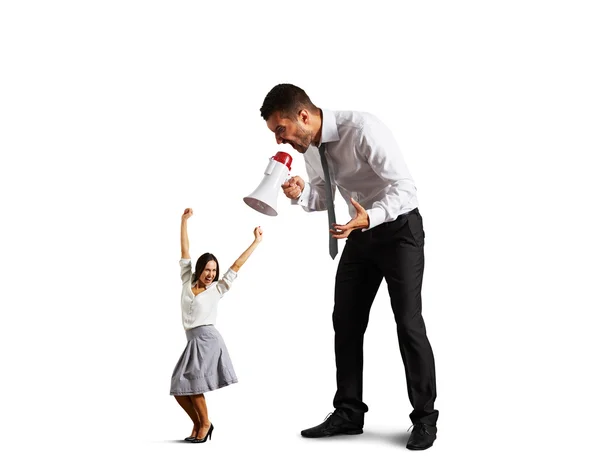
(264, 198)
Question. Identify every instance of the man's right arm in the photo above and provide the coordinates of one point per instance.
(313, 197)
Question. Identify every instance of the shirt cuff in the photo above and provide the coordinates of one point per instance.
(376, 217)
(302, 200)
(230, 273)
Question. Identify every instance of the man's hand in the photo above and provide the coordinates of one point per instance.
(360, 220)
(293, 187)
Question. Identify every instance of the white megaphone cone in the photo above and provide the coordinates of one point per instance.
(264, 198)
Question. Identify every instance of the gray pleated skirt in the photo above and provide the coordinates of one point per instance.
(204, 365)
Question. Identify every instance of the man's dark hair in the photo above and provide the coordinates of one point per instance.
(287, 99)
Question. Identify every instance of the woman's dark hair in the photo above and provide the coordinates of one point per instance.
(287, 99)
(201, 263)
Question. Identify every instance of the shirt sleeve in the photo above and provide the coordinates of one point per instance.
(377, 144)
(186, 270)
(224, 284)
(313, 195)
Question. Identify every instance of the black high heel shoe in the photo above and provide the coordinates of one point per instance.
(207, 436)
(191, 437)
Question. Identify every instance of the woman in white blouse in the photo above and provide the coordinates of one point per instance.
(205, 364)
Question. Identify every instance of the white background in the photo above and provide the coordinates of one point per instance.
(116, 115)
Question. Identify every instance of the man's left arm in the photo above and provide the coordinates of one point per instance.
(377, 144)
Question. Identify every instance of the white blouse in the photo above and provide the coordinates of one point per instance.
(202, 308)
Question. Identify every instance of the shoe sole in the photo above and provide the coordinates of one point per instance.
(350, 432)
(419, 448)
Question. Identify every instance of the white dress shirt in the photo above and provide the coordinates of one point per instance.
(201, 309)
(365, 163)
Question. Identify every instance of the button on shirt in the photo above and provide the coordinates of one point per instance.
(201, 309)
(365, 163)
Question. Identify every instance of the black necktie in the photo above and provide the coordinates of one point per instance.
(333, 249)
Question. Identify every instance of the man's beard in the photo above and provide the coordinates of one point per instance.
(305, 138)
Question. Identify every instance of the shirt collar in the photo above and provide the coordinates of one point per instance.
(329, 131)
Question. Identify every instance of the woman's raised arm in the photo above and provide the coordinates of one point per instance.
(185, 242)
(246, 254)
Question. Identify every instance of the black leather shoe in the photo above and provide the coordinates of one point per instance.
(422, 437)
(206, 437)
(335, 424)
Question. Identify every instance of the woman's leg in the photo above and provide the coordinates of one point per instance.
(186, 403)
(199, 403)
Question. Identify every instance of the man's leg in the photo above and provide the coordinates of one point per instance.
(403, 264)
(356, 285)
(357, 281)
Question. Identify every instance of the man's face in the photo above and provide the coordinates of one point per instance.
(295, 133)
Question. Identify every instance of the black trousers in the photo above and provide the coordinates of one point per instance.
(393, 251)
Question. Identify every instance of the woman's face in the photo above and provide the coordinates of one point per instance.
(208, 274)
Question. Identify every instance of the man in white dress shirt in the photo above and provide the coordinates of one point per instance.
(385, 239)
